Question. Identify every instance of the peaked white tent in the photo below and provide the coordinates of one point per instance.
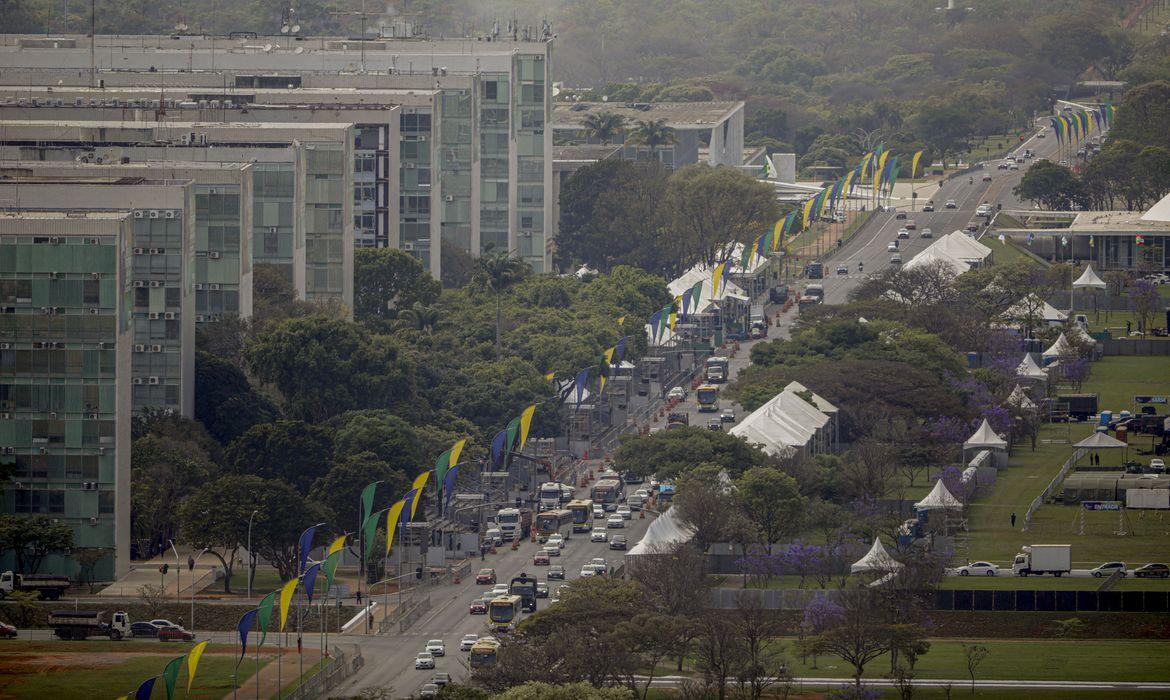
(1101, 441)
(665, 531)
(1033, 306)
(938, 498)
(1060, 348)
(985, 437)
(1028, 369)
(1020, 399)
(876, 559)
(1089, 280)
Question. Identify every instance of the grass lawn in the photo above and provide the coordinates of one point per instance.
(810, 691)
(1009, 253)
(990, 147)
(109, 669)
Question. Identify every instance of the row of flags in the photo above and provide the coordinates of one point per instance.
(170, 675)
(1076, 125)
(612, 355)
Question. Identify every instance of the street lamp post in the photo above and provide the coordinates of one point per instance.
(177, 566)
(193, 563)
(251, 556)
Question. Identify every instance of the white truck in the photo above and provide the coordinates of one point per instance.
(1040, 559)
(550, 495)
(47, 586)
(83, 624)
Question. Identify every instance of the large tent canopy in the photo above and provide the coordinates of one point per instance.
(1101, 441)
(1089, 280)
(1060, 348)
(665, 531)
(876, 559)
(1028, 369)
(1020, 399)
(939, 498)
(985, 437)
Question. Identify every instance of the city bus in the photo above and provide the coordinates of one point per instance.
(582, 510)
(483, 653)
(525, 587)
(552, 522)
(708, 396)
(504, 612)
(607, 492)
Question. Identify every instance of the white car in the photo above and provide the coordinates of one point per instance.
(676, 393)
(552, 551)
(979, 568)
(951, 204)
(499, 589)
(903, 233)
(625, 512)
(425, 659)
(614, 522)
(643, 493)
(926, 233)
(468, 641)
(592, 570)
(892, 247)
(598, 561)
(1108, 568)
(599, 534)
(557, 541)
(1157, 465)
(436, 647)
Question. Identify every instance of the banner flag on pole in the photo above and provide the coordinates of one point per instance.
(393, 515)
(583, 379)
(265, 608)
(311, 579)
(332, 557)
(369, 530)
(525, 425)
(619, 350)
(448, 489)
(245, 626)
(368, 499)
(170, 674)
(144, 691)
(442, 464)
(286, 596)
(304, 544)
(513, 431)
(193, 663)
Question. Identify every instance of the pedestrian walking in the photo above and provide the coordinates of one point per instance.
(1013, 518)
(482, 552)
(358, 596)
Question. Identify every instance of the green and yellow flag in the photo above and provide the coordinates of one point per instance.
(264, 614)
(286, 596)
(553, 375)
(442, 464)
(193, 663)
(778, 232)
(807, 213)
(332, 557)
(419, 482)
(171, 674)
(393, 514)
(914, 165)
(716, 276)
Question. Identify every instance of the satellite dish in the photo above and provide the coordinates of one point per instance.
(284, 29)
(267, 48)
(296, 29)
(299, 50)
(605, 98)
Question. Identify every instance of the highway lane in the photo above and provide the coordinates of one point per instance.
(390, 658)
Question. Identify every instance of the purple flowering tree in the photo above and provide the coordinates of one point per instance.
(802, 559)
(758, 566)
(821, 613)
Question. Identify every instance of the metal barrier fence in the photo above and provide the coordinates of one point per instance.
(1053, 601)
(406, 602)
(332, 676)
(1052, 486)
(769, 598)
(412, 615)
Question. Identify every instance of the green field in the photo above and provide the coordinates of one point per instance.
(1009, 253)
(93, 669)
(811, 691)
(989, 147)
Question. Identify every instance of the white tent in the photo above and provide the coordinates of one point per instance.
(985, 437)
(938, 498)
(786, 424)
(962, 247)
(665, 531)
(1089, 280)
(1100, 441)
(1060, 348)
(1020, 399)
(934, 254)
(876, 559)
(1033, 306)
(1028, 369)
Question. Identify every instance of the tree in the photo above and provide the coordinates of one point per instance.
(1146, 300)
(496, 272)
(603, 126)
(290, 450)
(771, 500)
(154, 598)
(762, 664)
(1049, 185)
(653, 133)
(224, 401)
(324, 366)
(283, 515)
(1144, 115)
(859, 634)
(536, 690)
(424, 319)
(973, 655)
(163, 472)
(945, 126)
(673, 578)
(718, 651)
(21, 608)
(31, 539)
(711, 208)
(386, 280)
(669, 453)
(215, 517)
(340, 489)
(703, 504)
(87, 559)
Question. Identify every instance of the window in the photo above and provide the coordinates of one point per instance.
(490, 90)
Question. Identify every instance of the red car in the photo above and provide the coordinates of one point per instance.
(477, 607)
(486, 577)
(7, 631)
(175, 634)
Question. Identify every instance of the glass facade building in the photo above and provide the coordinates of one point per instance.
(65, 339)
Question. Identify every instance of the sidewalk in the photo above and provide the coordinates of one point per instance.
(263, 685)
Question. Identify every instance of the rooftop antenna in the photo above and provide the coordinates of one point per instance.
(288, 22)
(364, 15)
(92, 43)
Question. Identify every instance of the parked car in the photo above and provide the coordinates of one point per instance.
(625, 512)
(615, 522)
(143, 629)
(540, 558)
(1157, 464)
(436, 647)
(486, 577)
(926, 233)
(424, 660)
(7, 631)
(541, 589)
(617, 542)
(599, 534)
(979, 568)
(163, 623)
(951, 204)
(1152, 571)
(556, 572)
(1108, 569)
(174, 633)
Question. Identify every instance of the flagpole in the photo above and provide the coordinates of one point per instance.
(257, 683)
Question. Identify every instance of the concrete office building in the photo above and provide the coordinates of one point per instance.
(492, 164)
(708, 132)
(302, 182)
(163, 255)
(66, 335)
(222, 274)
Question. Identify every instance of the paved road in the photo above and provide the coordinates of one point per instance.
(390, 658)
(958, 684)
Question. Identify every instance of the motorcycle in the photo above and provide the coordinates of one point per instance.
(860, 267)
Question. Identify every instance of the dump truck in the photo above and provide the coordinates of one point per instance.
(1040, 559)
(49, 587)
(83, 624)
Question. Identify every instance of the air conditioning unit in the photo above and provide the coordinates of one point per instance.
(272, 229)
(52, 415)
(156, 348)
(93, 520)
(170, 316)
(44, 450)
(5, 346)
(52, 275)
(10, 451)
(152, 380)
(198, 286)
(93, 416)
(105, 346)
(95, 241)
(101, 450)
(95, 275)
(214, 255)
(155, 283)
(408, 245)
(449, 198)
(410, 166)
(199, 318)
(59, 346)
(154, 251)
(138, 380)
(138, 213)
(139, 347)
(37, 345)
(56, 240)
(139, 251)
(139, 283)
(153, 315)
(171, 213)
(94, 311)
(154, 213)
(212, 191)
(213, 286)
(5, 416)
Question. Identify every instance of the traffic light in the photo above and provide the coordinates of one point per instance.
(418, 572)
(519, 502)
(164, 569)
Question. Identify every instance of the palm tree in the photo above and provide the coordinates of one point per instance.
(419, 317)
(496, 272)
(653, 133)
(604, 126)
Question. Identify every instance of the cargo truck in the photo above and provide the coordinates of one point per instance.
(1040, 559)
(82, 624)
(49, 587)
(514, 523)
(717, 369)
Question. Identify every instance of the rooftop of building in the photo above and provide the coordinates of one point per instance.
(246, 41)
(11, 93)
(679, 115)
(586, 153)
(1104, 221)
(32, 165)
(88, 179)
(144, 125)
(49, 214)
